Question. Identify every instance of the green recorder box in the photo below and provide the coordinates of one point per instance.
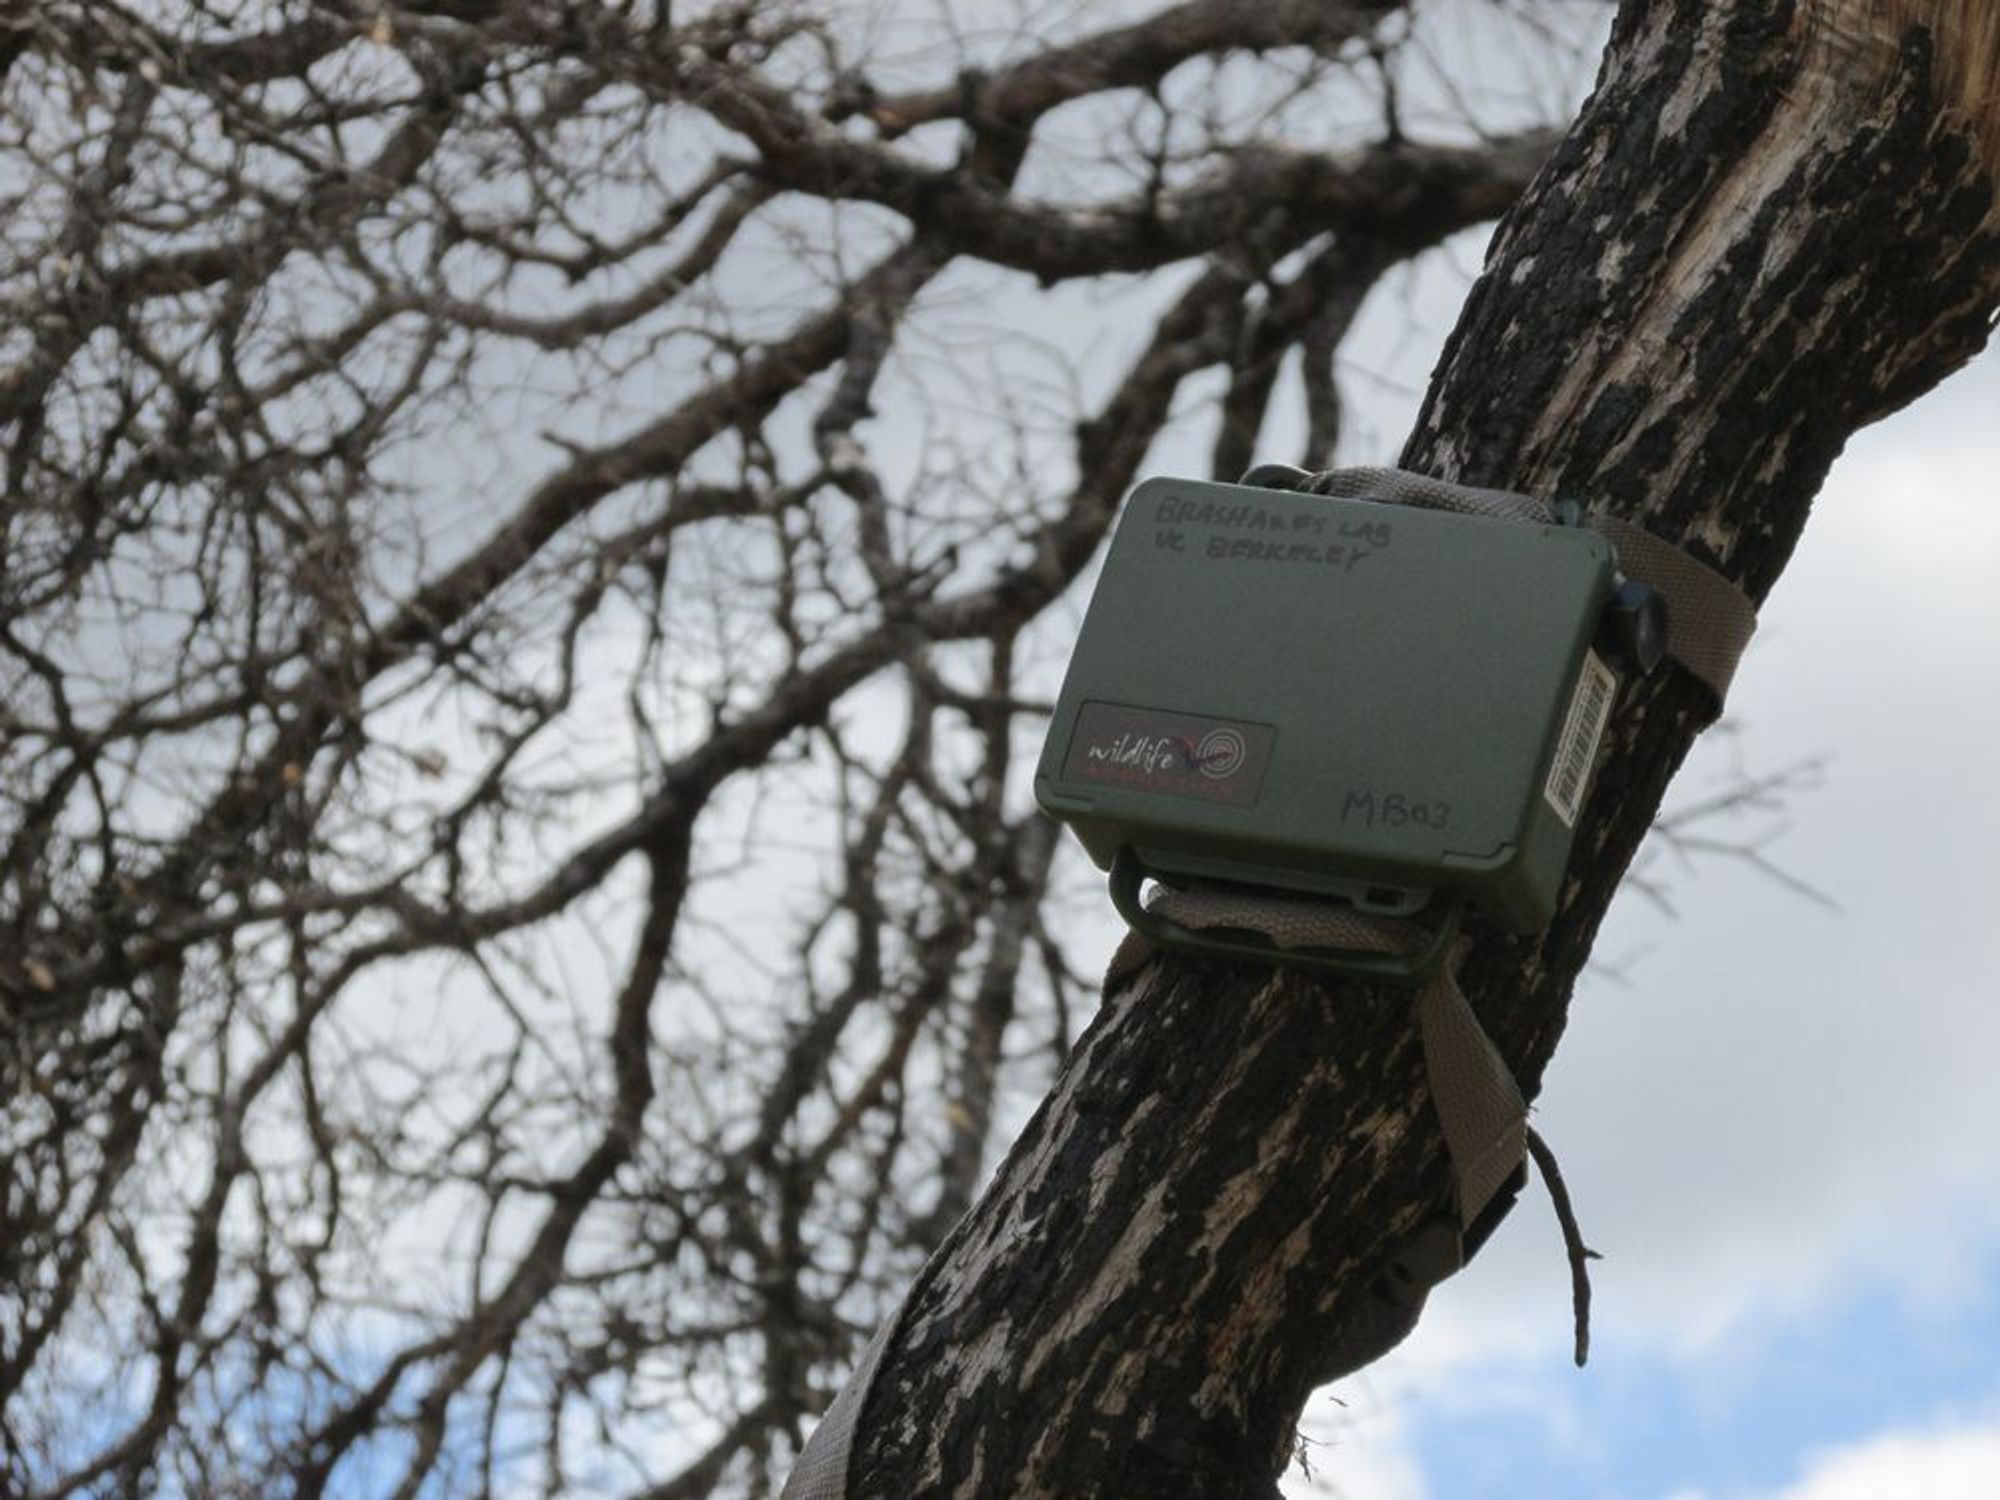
(1341, 697)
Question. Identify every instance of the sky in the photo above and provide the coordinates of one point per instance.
(1777, 1111)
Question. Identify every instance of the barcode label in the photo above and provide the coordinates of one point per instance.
(1583, 728)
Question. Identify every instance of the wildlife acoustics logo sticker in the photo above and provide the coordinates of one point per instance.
(1171, 754)
(1221, 753)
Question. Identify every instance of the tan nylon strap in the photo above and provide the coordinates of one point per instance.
(1479, 1106)
(1401, 487)
(820, 1472)
(1709, 619)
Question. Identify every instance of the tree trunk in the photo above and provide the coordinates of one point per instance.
(1769, 227)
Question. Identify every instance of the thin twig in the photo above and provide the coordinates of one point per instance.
(1580, 1254)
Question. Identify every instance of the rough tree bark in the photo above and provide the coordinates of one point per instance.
(1773, 223)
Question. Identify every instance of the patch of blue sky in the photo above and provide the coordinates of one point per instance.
(1744, 1418)
(267, 1410)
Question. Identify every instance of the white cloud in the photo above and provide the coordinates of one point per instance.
(1947, 1464)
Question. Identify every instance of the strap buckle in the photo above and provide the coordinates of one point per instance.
(1412, 967)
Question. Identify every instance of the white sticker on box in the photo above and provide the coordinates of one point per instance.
(1583, 729)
